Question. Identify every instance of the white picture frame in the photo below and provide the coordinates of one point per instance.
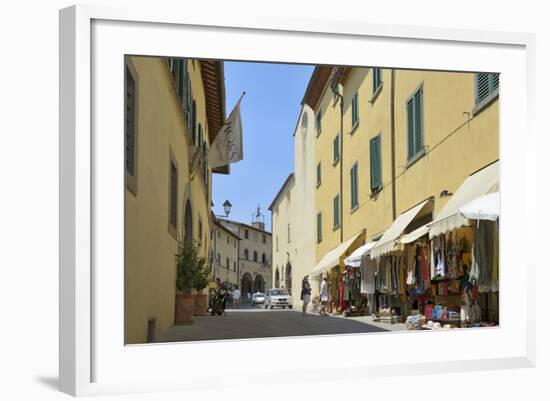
(93, 358)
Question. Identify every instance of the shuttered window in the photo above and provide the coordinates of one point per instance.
(319, 174)
(415, 129)
(318, 122)
(354, 187)
(336, 148)
(485, 85)
(354, 109)
(130, 123)
(319, 227)
(173, 195)
(376, 79)
(336, 208)
(194, 123)
(375, 163)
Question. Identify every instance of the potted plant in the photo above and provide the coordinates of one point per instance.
(202, 273)
(186, 268)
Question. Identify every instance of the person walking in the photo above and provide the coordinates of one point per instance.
(305, 295)
(236, 297)
(324, 296)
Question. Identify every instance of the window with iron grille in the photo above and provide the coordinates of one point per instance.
(130, 123)
(173, 195)
(415, 125)
(485, 85)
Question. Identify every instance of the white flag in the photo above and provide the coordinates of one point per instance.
(228, 145)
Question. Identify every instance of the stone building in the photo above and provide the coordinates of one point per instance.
(255, 257)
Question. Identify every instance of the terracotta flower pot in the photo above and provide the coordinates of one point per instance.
(201, 304)
(185, 308)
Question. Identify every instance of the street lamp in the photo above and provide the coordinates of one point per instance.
(227, 208)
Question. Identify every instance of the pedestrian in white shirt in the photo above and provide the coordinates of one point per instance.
(236, 297)
(324, 296)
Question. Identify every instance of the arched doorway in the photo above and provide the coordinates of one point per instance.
(288, 277)
(277, 278)
(188, 223)
(246, 285)
(259, 283)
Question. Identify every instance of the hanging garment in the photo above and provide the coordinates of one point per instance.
(474, 270)
(394, 275)
(495, 259)
(410, 260)
(484, 253)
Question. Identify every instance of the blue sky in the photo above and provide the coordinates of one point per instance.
(269, 112)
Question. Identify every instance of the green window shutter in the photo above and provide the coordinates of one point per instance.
(376, 79)
(318, 174)
(336, 208)
(319, 227)
(183, 84)
(494, 82)
(354, 109)
(318, 122)
(415, 125)
(375, 163)
(410, 129)
(418, 117)
(482, 86)
(173, 195)
(194, 123)
(129, 128)
(354, 187)
(336, 148)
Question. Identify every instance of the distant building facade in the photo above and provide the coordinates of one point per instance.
(255, 257)
(224, 255)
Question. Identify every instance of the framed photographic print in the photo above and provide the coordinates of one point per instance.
(262, 189)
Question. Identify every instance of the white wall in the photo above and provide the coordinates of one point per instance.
(304, 226)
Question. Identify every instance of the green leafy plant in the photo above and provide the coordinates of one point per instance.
(188, 264)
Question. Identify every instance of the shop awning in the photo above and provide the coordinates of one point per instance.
(486, 207)
(483, 182)
(414, 235)
(388, 241)
(332, 258)
(354, 260)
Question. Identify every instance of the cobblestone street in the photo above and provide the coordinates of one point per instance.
(256, 322)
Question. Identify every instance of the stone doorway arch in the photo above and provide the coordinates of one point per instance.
(288, 277)
(246, 285)
(259, 283)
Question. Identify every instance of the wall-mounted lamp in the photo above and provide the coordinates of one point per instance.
(445, 193)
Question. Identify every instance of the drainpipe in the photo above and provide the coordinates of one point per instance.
(392, 128)
(334, 87)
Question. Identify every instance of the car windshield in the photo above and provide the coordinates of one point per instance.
(258, 295)
(279, 292)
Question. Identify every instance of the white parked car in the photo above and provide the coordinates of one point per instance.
(278, 297)
(258, 298)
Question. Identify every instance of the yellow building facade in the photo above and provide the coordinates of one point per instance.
(406, 136)
(174, 108)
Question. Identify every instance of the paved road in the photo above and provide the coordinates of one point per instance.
(255, 322)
